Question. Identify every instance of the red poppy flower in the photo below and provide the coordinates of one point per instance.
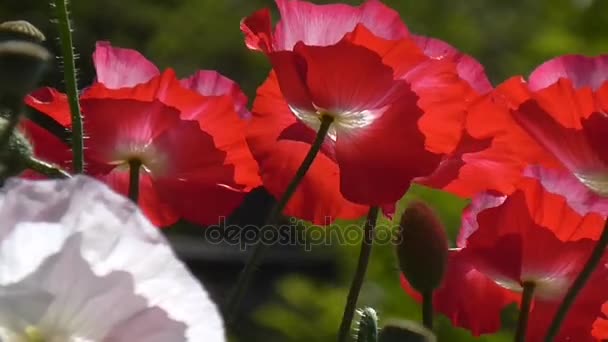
(533, 235)
(557, 118)
(396, 110)
(187, 135)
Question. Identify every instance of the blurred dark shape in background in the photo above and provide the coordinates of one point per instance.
(298, 295)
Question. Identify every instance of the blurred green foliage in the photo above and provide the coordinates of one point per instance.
(509, 37)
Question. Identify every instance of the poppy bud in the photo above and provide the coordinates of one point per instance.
(20, 30)
(422, 247)
(22, 59)
(405, 331)
(367, 327)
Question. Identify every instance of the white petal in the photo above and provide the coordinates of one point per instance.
(116, 237)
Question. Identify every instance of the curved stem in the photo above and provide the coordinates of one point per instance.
(69, 74)
(427, 310)
(234, 300)
(355, 287)
(524, 312)
(578, 284)
(45, 168)
(134, 168)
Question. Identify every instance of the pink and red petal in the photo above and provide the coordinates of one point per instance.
(582, 71)
(469, 69)
(324, 25)
(117, 126)
(212, 83)
(533, 205)
(119, 68)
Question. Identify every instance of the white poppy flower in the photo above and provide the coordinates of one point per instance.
(80, 263)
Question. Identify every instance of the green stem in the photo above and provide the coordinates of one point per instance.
(427, 309)
(234, 300)
(134, 170)
(578, 284)
(45, 168)
(69, 74)
(355, 287)
(524, 312)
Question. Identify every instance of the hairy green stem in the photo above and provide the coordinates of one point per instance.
(524, 312)
(594, 260)
(357, 282)
(234, 300)
(69, 74)
(45, 168)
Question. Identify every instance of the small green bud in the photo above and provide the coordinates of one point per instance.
(20, 30)
(405, 331)
(367, 326)
(422, 247)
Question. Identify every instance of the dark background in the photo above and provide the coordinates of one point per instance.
(299, 295)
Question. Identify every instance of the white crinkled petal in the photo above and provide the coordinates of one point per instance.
(116, 237)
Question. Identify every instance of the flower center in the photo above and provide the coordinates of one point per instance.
(597, 182)
(33, 334)
(344, 120)
(150, 159)
(546, 288)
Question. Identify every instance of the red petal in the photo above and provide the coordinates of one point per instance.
(595, 128)
(468, 298)
(579, 324)
(378, 162)
(459, 172)
(151, 202)
(600, 326)
(119, 68)
(512, 148)
(444, 99)
(336, 88)
(52, 103)
(323, 25)
(200, 201)
(582, 71)
(216, 116)
(212, 83)
(47, 146)
(318, 198)
(258, 31)
(562, 136)
(192, 154)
